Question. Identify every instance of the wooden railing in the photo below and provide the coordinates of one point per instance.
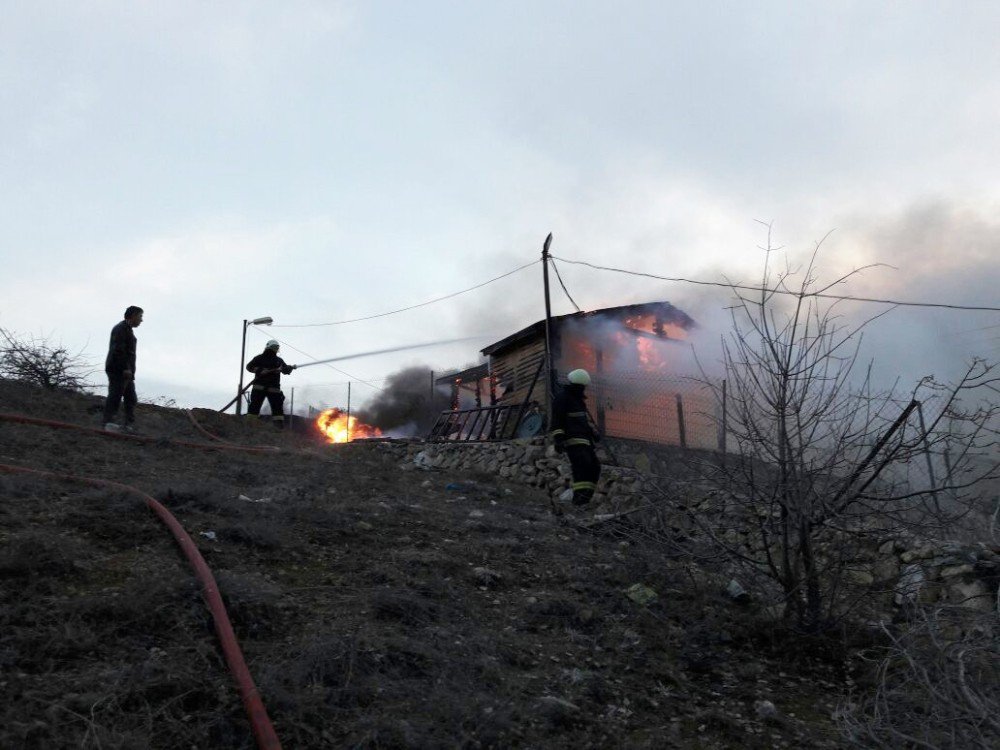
(478, 424)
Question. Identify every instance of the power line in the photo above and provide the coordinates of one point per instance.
(975, 330)
(411, 307)
(341, 383)
(558, 276)
(899, 303)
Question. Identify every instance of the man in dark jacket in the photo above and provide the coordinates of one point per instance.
(120, 369)
(572, 433)
(268, 368)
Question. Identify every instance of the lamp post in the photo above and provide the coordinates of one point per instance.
(265, 321)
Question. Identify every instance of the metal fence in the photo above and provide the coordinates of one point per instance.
(657, 408)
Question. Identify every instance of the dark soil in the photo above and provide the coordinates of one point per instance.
(375, 608)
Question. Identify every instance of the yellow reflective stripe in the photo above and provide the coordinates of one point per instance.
(576, 414)
(578, 441)
(558, 432)
(258, 388)
(584, 485)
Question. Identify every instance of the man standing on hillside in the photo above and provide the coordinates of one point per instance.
(120, 369)
(268, 368)
(573, 434)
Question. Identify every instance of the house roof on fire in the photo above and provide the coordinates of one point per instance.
(474, 373)
(664, 310)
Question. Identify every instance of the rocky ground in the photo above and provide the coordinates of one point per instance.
(378, 604)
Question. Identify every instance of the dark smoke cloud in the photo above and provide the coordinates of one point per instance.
(407, 404)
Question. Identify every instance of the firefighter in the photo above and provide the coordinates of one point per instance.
(268, 368)
(573, 434)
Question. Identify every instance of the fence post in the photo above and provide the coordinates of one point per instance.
(724, 426)
(602, 426)
(680, 421)
(927, 454)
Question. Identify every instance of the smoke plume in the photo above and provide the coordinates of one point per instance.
(408, 404)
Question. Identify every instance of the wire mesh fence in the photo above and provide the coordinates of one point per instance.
(658, 408)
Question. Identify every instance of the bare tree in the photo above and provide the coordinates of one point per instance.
(936, 685)
(822, 458)
(39, 362)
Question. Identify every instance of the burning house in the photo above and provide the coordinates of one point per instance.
(634, 355)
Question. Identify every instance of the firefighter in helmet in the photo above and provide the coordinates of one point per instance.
(268, 368)
(573, 434)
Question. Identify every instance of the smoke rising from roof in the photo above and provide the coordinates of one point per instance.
(629, 344)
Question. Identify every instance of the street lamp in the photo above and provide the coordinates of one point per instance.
(265, 321)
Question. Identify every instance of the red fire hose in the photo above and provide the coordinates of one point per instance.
(223, 445)
(260, 723)
(259, 720)
(206, 433)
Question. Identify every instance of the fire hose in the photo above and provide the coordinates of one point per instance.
(260, 723)
(211, 436)
(249, 385)
(19, 418)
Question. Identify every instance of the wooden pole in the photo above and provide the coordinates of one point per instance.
(348, 411)
(527, 398)
(927, 453)
(724, 433)
(551, 374)
(243, 356)
(599, 391)
(879, 445)
(246, 388)
(680, 421)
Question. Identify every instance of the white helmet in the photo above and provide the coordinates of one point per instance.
(579, 377)
(272, 344)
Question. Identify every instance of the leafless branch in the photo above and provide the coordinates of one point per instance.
(41, 363)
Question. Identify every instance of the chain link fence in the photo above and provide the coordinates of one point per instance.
(657, 408)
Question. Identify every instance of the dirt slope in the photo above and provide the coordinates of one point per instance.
(376, 607)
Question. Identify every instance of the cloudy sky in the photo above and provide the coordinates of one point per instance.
(323, 161)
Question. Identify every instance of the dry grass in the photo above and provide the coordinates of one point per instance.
(373, 610)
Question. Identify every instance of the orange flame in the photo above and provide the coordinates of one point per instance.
(647, 353)
(650, 356)
(340, 428)
(648, 324)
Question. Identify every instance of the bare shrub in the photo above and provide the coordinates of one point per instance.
(39, 362)
(936, 685)
(823, 460)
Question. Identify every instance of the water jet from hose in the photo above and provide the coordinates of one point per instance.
(392, 349)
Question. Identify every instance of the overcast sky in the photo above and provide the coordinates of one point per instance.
(320, 161)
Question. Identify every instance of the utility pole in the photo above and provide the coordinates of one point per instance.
(551, 371)
(348, 411)
(243, 356)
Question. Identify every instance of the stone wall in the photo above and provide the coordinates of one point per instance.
(932, 572)
(533, 463)
(903, 569)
